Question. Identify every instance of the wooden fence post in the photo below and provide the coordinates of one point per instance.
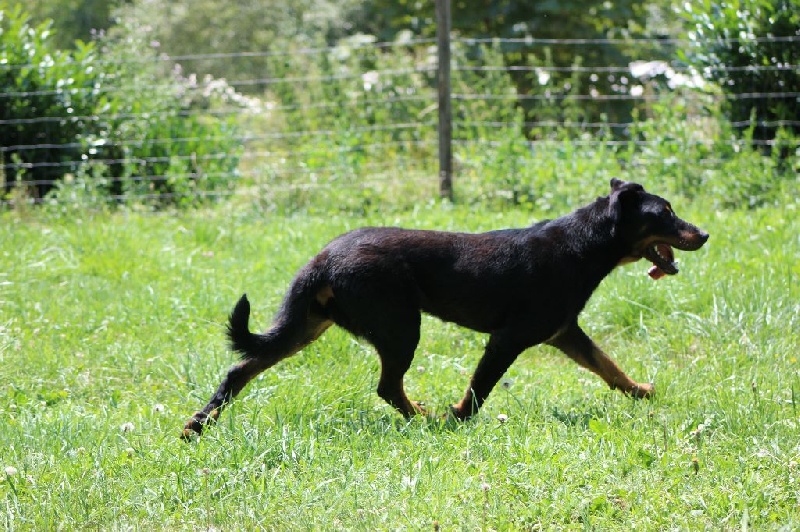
(445, 112)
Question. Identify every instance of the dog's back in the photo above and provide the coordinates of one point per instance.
(546, 271)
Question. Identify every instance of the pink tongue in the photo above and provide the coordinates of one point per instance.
(655, 272)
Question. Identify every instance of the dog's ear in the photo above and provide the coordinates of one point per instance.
(616, 183)
(622, 192)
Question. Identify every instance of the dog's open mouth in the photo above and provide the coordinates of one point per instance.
(663, 261)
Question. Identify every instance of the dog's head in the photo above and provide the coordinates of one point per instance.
(650, 228)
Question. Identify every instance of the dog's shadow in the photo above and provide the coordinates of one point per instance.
(573, 417)
(373, 423)
(376, 423)
(579, 416)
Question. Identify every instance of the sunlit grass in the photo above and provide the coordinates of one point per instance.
(111, 334)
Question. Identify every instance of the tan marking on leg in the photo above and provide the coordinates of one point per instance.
(324, 295)
(580, 348)
(317, 331)
(608, 370)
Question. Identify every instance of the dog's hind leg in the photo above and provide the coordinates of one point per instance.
(391, 324)
(580, 348)
(396, 357)
(394, 331)
(292, 330)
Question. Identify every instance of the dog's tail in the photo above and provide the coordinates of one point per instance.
(289, 332)
(241, 339)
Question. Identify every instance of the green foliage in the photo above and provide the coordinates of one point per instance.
(728, 37)
(73, 20)
(356, 132)
(544, 21)
(168, 136)
(242, 29)
(353, 126)
(338, 119)
(508, 19)
(692, 154)
(49, 97)
(253, 28)
(701, 154)
(103, 116)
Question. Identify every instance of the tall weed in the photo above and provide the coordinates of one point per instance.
(355, 130)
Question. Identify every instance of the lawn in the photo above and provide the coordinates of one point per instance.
(111, 334)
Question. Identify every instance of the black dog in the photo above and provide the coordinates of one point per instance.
(522, 286)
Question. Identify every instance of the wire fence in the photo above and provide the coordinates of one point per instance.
(366, 125)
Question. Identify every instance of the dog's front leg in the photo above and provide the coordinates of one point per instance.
(580, 348)
(501, 351)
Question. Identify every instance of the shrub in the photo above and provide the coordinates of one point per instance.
(162, 135)
(106, 117)
(46, 102)
(750, 47)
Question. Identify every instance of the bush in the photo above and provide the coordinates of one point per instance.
(743, 46)
(106, 118)
(46, 102)
(164, 135)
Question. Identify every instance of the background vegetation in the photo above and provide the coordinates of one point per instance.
(725, 47)
(106, 117)
(303, 105)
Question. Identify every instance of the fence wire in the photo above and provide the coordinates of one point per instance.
(367, 127)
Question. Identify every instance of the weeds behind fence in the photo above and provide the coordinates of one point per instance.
(353, 127)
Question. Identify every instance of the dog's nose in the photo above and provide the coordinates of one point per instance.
(702, 235)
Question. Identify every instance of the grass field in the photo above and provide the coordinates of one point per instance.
(111, 334)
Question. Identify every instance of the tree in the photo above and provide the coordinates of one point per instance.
(546, 21)
(242, 31)
(73, 20)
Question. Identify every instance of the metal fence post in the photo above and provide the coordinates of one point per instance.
(445, 112)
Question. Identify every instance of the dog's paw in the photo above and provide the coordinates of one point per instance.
(643, 391)
(189, 433)
(191, 430)
(194, 427)
(458, 413)
(419, 408)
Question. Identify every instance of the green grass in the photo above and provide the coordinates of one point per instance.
(111, 334)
